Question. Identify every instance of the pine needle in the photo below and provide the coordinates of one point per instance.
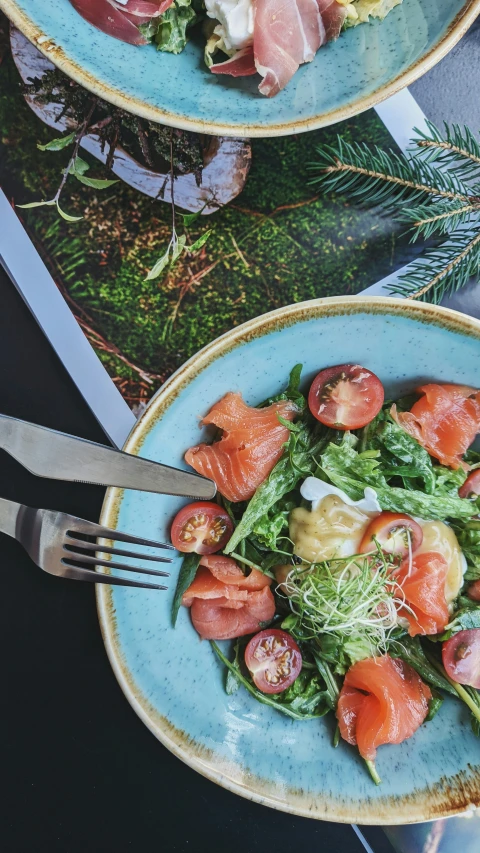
(435, 192)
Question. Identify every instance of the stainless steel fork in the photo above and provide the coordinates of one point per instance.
(55, 542)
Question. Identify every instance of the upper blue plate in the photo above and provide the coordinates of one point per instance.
(174, 681)
(365, 65)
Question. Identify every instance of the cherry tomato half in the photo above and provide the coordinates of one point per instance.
(345, 397)
(392, 530)
(273, 659)
(473, 591)
(461, 657)
(201, 527)
(471, 486)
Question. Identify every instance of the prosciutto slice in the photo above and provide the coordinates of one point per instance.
(241, 64)
(286, 34)
(333, 16)
(121, 21)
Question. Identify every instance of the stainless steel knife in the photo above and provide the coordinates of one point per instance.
(58, 456)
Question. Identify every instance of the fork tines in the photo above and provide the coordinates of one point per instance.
(75, 544)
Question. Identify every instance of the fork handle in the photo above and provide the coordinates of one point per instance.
(9, 511)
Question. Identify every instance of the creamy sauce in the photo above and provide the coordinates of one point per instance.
(333, 529)
(439, 537)
(235, 18)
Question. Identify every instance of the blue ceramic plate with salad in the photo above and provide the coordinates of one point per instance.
(243, 67)
(318, 648)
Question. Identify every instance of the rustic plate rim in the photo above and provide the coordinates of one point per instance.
(460, 24)
(390, 813)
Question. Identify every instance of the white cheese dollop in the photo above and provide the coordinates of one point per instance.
(235, 19)
(316, 490)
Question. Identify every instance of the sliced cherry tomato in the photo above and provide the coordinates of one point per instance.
(473, 591)
(346, 397)
(274, 660)
(392, 531)
(471, 486)
(461, 657)
(201, 527)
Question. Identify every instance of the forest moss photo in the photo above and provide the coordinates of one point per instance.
(279, 241)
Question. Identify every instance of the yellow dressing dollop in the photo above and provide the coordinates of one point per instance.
(439, 537)
(333, 529)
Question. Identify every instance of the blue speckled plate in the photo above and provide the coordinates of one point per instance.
(365, 65)
(174, 681)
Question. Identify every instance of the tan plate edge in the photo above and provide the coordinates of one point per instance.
(419, 806)
(56, 54)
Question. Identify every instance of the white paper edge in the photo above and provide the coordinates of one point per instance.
(24, 265)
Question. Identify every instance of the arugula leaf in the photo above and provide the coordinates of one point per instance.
(306, 705)
(468, 537)
(434, 706)
(269, 527)
(186, 576)
(292, 391)
(295, 464)
(232, 683)
(402, 446)
(410, 650)
(465, 619)
(352, 472)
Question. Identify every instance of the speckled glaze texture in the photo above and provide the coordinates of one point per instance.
(173, 680)
(364, 66)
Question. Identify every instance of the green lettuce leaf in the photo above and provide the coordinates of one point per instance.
(171, 31)
(353, 471)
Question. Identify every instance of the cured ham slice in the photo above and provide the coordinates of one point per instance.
(382, 700)
(251, 444)
(241, 64)
(121, 21)
(224, 602)
(445, 421)
(333, 17)
(286, 34)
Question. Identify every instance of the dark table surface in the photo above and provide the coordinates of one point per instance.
(81, 772)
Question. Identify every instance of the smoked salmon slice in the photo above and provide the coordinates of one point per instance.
(224, 602)
(206, 586)
(423, 584)
(382, 700)
(251, 444)
(445, 421)
(226, 570)
(216, 619)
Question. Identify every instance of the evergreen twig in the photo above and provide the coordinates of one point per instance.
(435, 192)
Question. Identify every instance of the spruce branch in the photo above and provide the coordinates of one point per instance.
(442, 217)
(457, 147)
(441, 271)
(383, 177)
(435, 192)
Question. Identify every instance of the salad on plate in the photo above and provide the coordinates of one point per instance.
(342, 557)
(271, 38)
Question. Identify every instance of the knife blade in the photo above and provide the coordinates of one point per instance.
(59, 456)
